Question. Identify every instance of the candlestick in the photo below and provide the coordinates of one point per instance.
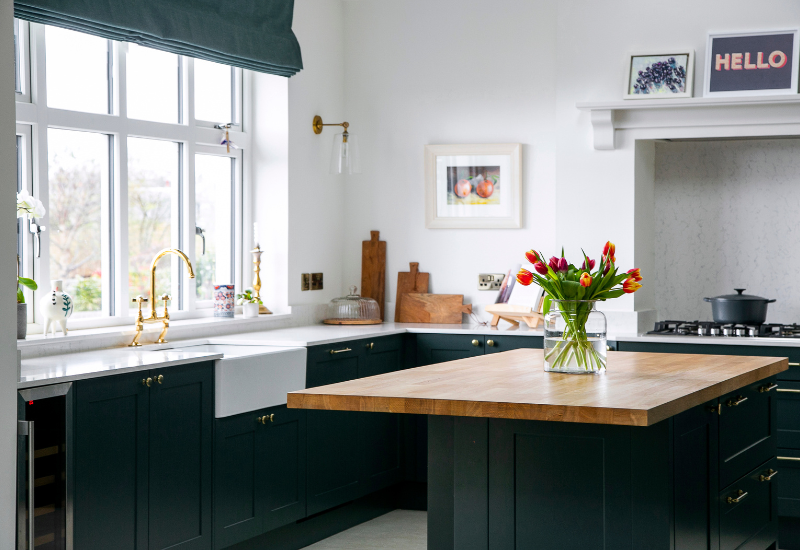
(257, 275)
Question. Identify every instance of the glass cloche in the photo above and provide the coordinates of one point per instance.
(353, 310)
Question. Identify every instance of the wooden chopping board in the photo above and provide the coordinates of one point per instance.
(433, 308)
(409, 282)
(373, 269)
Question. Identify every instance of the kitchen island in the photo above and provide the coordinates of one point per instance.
(662, 451)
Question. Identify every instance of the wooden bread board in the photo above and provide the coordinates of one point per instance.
(373, 270)
(433, 308)
(408, 282)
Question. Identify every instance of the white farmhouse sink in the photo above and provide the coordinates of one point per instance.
(249, 378)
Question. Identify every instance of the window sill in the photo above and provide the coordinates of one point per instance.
(39, 345)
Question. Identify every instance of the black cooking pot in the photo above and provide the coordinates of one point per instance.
(740, 309)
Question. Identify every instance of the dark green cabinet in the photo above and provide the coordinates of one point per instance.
(259, 473)
(438, 348)
(498, 344)
(143, 460)
(380, 433)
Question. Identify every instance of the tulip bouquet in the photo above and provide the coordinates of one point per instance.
(574, 290)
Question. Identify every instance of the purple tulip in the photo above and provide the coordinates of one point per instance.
(540, 268)
(553, 263)
(591, 265)
(563, 265)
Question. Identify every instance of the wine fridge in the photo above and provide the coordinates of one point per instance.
(44, 468)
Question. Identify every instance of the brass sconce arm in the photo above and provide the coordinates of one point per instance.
(317, 124)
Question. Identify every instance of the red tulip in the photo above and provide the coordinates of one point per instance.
(532, 256)
(630, 286)
(563, 265)
(591, 265)
(553, 263)
(524, 277)
(586, 280)
(540, 268)
(607, 265)
(635, 274)
(608, 251)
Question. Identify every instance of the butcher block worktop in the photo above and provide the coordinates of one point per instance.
(638, 389)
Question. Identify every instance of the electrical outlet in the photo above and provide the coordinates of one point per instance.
(305, 281)
(490, 281)
(316, 281)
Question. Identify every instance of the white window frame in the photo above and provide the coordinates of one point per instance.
(193, 136)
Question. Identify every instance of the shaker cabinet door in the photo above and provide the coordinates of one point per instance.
(181, 417)
(111, 448)
(282, 466)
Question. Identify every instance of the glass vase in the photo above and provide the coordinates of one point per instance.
(574, 337)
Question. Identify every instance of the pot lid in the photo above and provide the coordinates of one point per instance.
(739, 297)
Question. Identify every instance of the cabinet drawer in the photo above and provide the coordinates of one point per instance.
(788, 414)
(794, 369)
(738, 521)
(497, 344)
(789, 486)
(746, 430)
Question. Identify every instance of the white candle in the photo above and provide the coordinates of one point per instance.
(255, 233)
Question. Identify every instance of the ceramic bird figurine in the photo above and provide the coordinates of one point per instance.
(56, 307)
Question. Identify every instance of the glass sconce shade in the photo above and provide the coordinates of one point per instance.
(345, 155)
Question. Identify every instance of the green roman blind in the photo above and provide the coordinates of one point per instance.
(252, 34)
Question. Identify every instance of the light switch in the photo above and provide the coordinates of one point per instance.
(305, 281)
(316, 281)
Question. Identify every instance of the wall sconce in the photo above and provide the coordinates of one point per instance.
(344, 158)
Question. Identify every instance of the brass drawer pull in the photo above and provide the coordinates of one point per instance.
(764, 389)
(738, 498)
(736, 402)
(147, 381)
(785, 390)
(476, 343)
(335, 351)
(490, 343)
(371, 345)
(794, 364)
(770, 474)
(795, 458)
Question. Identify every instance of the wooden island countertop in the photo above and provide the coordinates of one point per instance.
(638, 389)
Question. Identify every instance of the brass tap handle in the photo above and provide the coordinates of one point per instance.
(139, 299)
(165, 297)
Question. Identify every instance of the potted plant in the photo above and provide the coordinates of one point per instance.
(249, 303)
(574, 332)
(27, 207)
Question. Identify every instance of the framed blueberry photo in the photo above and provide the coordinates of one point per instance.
(659, 76)
(751, 64)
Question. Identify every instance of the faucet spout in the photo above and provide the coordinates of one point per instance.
(157, 257)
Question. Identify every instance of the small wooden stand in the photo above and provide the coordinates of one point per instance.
(513, 314)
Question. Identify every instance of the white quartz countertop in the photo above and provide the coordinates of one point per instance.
(90, 364)
(713, 340)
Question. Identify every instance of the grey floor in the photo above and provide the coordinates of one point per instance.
(397, 530)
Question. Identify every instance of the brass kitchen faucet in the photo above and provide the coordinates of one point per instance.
(154, 318)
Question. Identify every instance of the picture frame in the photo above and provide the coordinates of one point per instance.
(681, 69)
(752, 63)
(473, 186)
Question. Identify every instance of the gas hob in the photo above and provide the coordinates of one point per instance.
(708, 328)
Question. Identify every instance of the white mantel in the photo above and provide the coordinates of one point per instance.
(694, 118)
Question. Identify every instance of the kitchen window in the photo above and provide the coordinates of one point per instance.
(119, 142)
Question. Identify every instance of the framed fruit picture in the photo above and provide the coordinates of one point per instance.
(474, 186)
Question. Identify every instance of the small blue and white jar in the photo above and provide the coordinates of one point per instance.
(224, 301)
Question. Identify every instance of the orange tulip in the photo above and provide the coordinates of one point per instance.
(608, 252)
(524, 277)
(630, 286)
(586, 280)
(635, 274)
(532, 256)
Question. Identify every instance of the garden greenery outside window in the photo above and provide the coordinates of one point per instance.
(118, 142)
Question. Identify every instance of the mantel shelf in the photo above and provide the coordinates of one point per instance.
(703, 117)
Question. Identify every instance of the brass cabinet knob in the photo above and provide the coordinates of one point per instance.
(490, 343)
(147, 381)
(272, 418)
(738, 498)
(263, 419)
(608, 348)
(476, 343)
(736, 402)
(769, 475)
(160, 378)
(371, 345)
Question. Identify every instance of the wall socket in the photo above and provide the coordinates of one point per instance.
(490, 281)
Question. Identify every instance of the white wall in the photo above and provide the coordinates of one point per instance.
(8, 323)
(726, 217)
(447, 71)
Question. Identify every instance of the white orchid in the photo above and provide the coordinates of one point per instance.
(28, 205)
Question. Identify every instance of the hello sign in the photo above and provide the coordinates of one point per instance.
(752, 64)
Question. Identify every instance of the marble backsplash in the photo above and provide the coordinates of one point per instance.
(727, 215)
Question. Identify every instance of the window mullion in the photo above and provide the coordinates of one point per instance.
(120, 194)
